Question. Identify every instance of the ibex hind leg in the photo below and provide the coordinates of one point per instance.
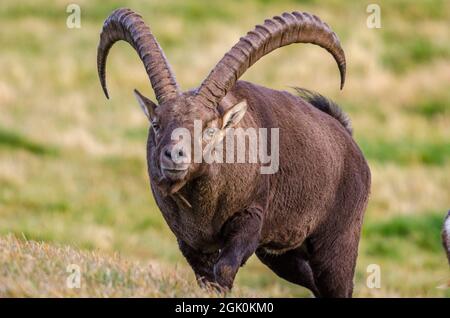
(292, 266)
(333, 261)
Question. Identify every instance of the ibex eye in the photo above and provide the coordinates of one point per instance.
(155, 126)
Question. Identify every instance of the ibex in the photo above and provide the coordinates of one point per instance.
(303, 221)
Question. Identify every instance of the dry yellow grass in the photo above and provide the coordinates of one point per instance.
(33, 269)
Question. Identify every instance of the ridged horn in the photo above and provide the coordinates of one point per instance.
(124, 24)
(274, 33)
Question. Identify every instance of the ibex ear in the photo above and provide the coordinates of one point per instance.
(234, 115)
(146, 104)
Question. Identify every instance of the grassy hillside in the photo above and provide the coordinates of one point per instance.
(72, 164)
(35, 269)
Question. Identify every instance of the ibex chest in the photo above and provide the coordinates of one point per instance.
(193, 219)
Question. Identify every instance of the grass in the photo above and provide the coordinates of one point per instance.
(73, 169)
(405, 52)
(404, 152)
(36, 269)
(432, 108)
(15, 140)
(420, 231)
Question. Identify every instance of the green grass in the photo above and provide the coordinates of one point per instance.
(403, 52)
(430, 9)
(404, 152)
(14, 140)
(432, 107)
(417, 231)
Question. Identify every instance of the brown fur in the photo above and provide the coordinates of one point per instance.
(327, 106)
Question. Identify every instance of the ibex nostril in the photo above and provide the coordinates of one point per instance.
(174, 154)
(168, 153)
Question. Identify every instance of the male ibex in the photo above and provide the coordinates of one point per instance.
(304, 221)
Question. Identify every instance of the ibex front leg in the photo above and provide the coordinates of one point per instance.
(201, 263)
(241, 236)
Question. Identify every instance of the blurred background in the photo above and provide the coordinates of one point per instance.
(73, 165)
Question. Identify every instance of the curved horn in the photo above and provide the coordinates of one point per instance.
(124, 24)
(274, 33)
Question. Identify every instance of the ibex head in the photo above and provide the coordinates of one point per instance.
(177, 109)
